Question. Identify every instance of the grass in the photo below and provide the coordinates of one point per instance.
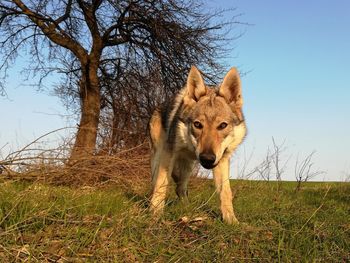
(41, 222)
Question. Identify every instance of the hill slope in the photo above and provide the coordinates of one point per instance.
(53, 223)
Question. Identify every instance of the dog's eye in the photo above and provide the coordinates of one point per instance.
(198, 125)
(222, 126)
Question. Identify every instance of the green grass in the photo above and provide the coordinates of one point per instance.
(50, 223)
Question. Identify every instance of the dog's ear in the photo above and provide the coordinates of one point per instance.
(230, 88)
(195, 85)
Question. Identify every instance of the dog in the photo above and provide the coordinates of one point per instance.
(203, 124)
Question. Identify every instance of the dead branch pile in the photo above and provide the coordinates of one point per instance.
(126, 167)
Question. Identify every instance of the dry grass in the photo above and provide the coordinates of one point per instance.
(35, 163)
(128, 168)
(124, 167)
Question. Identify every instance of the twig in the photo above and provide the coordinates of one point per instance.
(36, 140)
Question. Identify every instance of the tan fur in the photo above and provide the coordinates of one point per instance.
(205, 125)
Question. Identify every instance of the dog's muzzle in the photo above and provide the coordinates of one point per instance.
(207, 160)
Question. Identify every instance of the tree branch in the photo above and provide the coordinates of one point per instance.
(49, 29)
(91, 21)
(65, 15)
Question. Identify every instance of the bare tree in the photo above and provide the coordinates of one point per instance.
(272, 163)
(276, 159)
(127, 107)
(264, 169)
(303, 170)
(88, 41)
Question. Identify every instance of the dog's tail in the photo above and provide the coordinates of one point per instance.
(156, 129)
(157, 134)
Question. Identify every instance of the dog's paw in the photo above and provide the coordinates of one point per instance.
(157, 204)
(230, 219)
(156, 210)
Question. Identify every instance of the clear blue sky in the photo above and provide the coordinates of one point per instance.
(297, 54)
(298, 89)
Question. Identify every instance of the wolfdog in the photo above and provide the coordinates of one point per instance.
(204, 124)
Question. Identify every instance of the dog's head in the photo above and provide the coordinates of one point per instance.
(215, 120)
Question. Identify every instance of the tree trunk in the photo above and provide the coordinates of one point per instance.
(89, 89)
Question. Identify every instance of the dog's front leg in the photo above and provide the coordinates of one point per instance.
(222, 182)
(161, 181)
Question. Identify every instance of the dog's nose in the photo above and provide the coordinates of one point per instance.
(207, 160)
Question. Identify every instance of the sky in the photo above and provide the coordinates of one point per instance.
(297, 88)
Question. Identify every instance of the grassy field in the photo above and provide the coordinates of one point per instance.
(41, 223)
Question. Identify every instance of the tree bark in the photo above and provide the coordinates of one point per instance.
(89, 89)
